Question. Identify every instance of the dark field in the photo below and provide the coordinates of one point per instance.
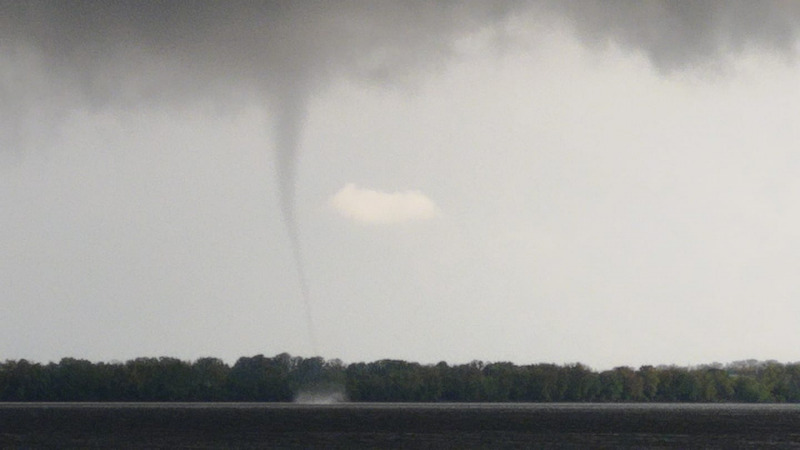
(398, 425)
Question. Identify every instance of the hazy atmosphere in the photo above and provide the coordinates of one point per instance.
(605, 182)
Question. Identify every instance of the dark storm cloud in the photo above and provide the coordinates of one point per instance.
(55, 55)
(131, 52)
(676, 34)
(177, 46)
(107, 51)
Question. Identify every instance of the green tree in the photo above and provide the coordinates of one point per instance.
(611, 386)
(791, 388)
(715, 385)
(262, 379)
(501, 382)
(650, 381)
(748, 389)
(579, 383)
(542, 383)
(632, 384)
(75, 380)
(26, 381)
(209, 378)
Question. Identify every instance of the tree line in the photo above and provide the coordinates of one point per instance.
(283, 377)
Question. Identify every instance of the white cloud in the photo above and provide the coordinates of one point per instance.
(376, 207)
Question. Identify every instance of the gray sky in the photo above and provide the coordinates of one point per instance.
(606, 182)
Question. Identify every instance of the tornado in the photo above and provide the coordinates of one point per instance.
(289, 111)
